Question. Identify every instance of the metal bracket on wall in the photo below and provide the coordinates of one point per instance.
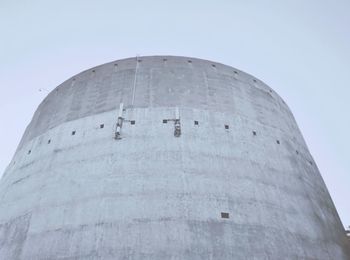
(177, 124)
(120, 121)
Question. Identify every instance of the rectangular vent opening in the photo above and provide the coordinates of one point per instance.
(225, 215)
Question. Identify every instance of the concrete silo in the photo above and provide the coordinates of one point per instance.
(165, 158)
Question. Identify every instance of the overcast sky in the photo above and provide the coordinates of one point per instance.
(300, 48)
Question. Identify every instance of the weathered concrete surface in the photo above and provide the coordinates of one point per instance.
(151, 195)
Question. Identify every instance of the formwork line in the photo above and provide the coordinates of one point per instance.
(135, 79)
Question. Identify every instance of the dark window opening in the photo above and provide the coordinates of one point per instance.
(49, 141)
(227, 127)
(165, 121)
(102, 125)
(213, 65)
(132, 122)
(195, 122)
(277, 141)
(297, 151)
(189, 61)
(254, 133)
(73, 132)
(165, 59)
(29, 151)
(254, 80)
(139, 60)
(225, 215)
(236, 72)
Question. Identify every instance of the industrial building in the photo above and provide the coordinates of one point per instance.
(166, 157)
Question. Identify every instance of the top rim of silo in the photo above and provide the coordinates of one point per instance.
(221, 67)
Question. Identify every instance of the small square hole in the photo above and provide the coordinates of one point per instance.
(254, 133)
(49, 141)
(102, 125)
(278, 141)
(73, 132)
(213, 65)
(225, 215)
(29, 151)
(165, 121)
(132, 122)
(227, 127)
(189, 61)
(196, 123)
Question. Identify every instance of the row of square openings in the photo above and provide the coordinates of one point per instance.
(195, 122)
(165, 60)
(165, 121)
(132, 122)
(225, 126)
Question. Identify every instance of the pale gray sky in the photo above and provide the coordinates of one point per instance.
(299, 48)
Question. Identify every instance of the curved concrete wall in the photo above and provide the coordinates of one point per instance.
(238, 183)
